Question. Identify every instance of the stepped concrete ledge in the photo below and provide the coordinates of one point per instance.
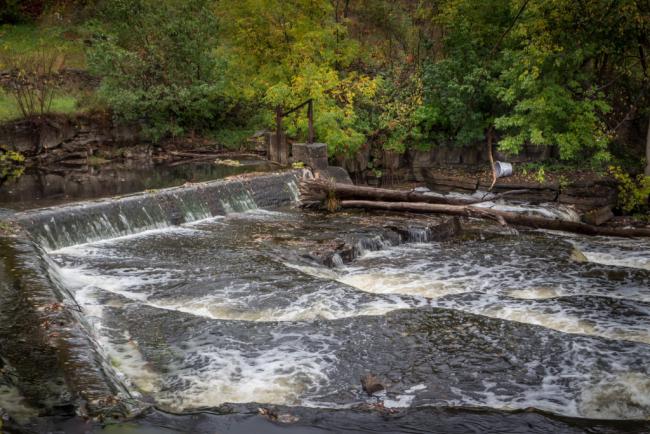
(62, 226)
(67, 372)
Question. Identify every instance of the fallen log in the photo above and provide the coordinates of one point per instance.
(212, 154)
(316, 189)
(499, 216)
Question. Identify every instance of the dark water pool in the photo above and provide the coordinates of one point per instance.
(38, 188)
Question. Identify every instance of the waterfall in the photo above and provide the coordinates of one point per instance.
(238, 203)
(64, 226)
(65, 351)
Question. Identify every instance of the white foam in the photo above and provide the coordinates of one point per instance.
(326, 304)
(620, 252)
(619, 396)
(403, 400)
(123, 354)
(280, 375)
(536, 293)
(127, 284)
(567, 322)
(392, 281)
(547, 210)
(78, 249)
(631, 261)
(127, 360)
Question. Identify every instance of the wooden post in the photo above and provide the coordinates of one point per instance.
(280, 146)
(310, 117)
(278, 125)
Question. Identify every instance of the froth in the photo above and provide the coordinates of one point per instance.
(623, 396)
(395, 282)
(211, 376)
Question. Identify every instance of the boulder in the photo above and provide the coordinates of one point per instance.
(439, 182)
(338, 174)
(371, 384)
(598, 216)
(313, 155)
(586, 202)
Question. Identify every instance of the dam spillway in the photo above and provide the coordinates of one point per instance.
(214, 294)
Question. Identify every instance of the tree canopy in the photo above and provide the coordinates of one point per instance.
(391, 75)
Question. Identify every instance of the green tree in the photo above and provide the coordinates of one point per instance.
(545, 73)
(157, 64)
(461, 102)
(284, 52)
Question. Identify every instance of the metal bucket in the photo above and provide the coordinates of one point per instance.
(503, 169)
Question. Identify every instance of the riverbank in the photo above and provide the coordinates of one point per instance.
(86, 147)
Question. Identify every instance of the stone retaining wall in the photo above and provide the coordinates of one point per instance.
(409, 165)
(584, 195)
(68, 138)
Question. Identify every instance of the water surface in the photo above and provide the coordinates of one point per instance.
(43, 187)
(234, 309)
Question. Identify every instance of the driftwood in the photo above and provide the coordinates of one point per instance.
(500, 216)
(316, 189)
(335, 195)
(206, 155)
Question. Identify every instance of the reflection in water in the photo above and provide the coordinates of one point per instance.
(38, 188)
(229, 310)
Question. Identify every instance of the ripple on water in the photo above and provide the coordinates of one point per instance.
(213, 314)
(425, 356)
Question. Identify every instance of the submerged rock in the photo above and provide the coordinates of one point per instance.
(275, 416)
(578, 256)
(371, 384)
(341, 251)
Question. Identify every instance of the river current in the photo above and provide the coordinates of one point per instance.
(234, 309)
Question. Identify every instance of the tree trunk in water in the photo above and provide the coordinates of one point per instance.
(647, 150)
(318, 190)
(500, 216)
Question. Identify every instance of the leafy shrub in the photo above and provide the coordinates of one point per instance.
(34, 81)
(633, 196)
(11, 164)
(157, 65)
(391, 116)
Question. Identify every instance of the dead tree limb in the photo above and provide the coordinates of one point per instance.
(317, 189)
(509, 217)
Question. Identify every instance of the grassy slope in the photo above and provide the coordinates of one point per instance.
(26, 39)
(31, 41)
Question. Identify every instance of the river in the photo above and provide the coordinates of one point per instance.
(469, 333)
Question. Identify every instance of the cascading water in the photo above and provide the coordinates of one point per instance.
(240, 203)
(213, 300)
(55, 228)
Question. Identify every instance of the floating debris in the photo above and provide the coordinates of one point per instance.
(231, 163)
